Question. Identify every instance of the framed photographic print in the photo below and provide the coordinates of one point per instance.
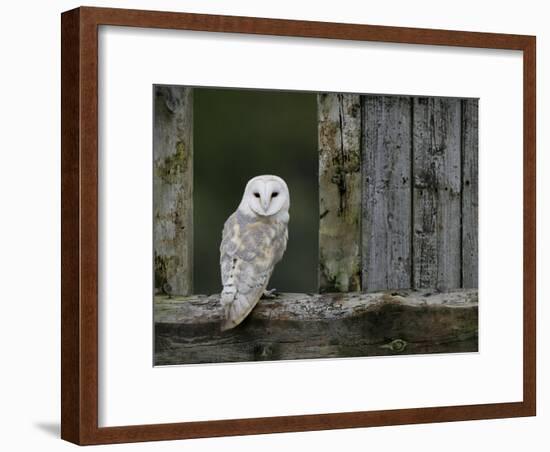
(335, 219)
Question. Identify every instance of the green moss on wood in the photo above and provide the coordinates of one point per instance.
(172, 168)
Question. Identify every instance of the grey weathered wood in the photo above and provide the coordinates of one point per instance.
(436, 192)
(386, 189)
(173, 189)
(295, 326)
(470, 193)
(339, 130)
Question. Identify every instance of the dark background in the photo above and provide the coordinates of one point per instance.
(239, 134)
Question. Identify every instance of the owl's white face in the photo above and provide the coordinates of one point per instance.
(266, 195)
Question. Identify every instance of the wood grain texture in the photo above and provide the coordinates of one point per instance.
(302, 326)
(387, 208)
(436, 192)
(469, 200)
(79, 264)
(530, 227)
(70, 228)
(173, 189)
(303, 28)
(339, 192)
(89, 230)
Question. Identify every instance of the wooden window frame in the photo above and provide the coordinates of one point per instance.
(79, 189)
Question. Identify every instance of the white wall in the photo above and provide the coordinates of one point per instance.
(30, 230)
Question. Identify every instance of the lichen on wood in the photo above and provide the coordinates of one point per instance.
(300, 326)
(173, 189)
(339, 139)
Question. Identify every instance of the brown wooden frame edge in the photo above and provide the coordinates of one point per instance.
(79, 194)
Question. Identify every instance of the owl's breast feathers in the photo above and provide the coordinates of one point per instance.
(250, 248)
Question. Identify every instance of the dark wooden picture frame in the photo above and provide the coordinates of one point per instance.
(79, 191)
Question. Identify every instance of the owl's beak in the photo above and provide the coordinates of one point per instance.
(265, 203)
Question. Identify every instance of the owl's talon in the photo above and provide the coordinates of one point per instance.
(272, 293)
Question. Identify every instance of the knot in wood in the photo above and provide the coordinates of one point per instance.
(397, 345)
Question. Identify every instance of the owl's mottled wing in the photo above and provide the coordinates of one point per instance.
(247, 258)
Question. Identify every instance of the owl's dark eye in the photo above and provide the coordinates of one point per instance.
(274, 194)
(256, 194)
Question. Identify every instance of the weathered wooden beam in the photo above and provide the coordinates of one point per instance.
(299, 326)
(173, 189)
(339, 138)
(387, 207)
(469, 192)
(437, 192)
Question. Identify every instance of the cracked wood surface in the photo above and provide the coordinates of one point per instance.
(470, 154)
(437, 188)
(302, 326)
(420, 192)
(387, 207)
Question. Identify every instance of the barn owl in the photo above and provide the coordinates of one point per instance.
(254, 239)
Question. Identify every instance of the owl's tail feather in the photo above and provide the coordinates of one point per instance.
(236, 307)
(227, 325)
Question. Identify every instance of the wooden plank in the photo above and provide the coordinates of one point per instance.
(436, 192)
(173, 189)
(339, 192)
(387, 216)
(299, 326)
(470, 193)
